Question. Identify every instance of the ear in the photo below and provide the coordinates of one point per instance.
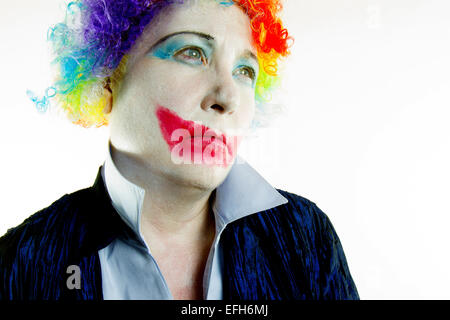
(108, 96)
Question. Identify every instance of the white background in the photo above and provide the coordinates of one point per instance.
(365, 133)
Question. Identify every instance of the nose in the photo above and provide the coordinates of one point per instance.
(223, 96)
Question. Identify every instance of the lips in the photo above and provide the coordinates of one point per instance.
(201, 136)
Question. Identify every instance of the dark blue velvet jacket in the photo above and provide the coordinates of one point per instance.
(289, 252)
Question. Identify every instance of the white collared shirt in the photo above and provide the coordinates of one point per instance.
(130, 272)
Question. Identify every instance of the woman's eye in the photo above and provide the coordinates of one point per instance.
(247, 72)
(192, 54)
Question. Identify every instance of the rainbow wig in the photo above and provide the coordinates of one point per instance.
(92, 43)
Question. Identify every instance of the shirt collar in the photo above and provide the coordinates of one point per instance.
(243, 192)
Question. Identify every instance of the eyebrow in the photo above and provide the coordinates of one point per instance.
(247, 53)
(202, 35)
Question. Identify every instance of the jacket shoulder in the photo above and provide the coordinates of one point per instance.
(307, 217)
(303, 208)
(33, 248)
(294, 245)
(42, 222)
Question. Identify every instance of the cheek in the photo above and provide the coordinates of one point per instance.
(169, 84)
(247, 110)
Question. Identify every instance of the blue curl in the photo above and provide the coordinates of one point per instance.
(42, 104)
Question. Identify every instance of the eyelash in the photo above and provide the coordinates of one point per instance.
(251, 71)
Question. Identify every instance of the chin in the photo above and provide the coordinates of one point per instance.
(199, 176)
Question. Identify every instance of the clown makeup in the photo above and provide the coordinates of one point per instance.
(197, 65)
(196, 49)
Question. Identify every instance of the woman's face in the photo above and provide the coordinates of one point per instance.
(194, 62)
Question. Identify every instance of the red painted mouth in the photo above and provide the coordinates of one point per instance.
(205, 144)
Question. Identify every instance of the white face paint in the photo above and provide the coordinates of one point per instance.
(194, 60)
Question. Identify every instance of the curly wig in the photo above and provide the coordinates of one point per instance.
(91, 46)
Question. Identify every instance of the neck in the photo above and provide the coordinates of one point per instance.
(171, 212)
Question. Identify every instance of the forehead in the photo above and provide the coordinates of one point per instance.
(226, 24)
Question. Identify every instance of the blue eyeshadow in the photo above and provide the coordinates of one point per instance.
(167, 49)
